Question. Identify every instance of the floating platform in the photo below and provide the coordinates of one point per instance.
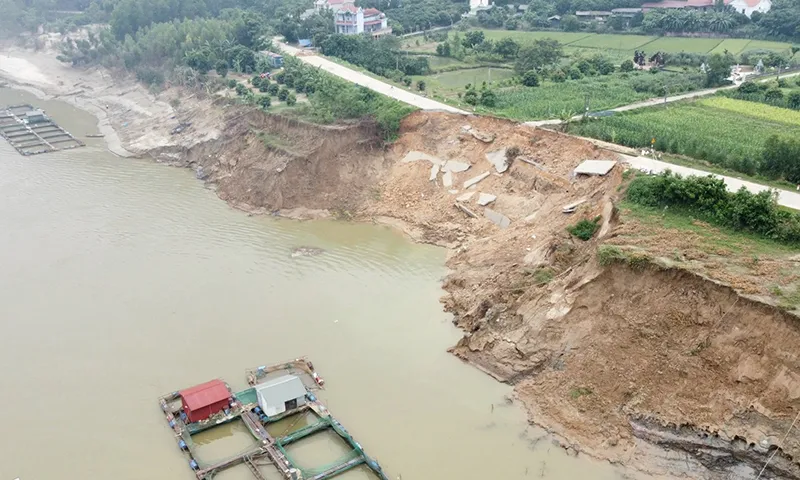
(277, 392)
(32, 132)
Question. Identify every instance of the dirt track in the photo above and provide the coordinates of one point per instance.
(644, 364)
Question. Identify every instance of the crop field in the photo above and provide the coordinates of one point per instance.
(766, 45)
(732, 45)
(691, 129)
(550, 100)
(681, 44)
(458, 79)
(528, 37)
(756, 110)
(615, 42)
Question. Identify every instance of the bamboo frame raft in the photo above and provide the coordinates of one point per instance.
(270, 450)
(31, 137)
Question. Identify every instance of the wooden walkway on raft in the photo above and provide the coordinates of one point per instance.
(270, 451)
(32, 136)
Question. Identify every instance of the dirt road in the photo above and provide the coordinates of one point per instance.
(369, 82)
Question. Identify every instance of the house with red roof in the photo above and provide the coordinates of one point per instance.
(204, 400)
(352, 20)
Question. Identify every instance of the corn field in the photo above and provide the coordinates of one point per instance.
(696, 130)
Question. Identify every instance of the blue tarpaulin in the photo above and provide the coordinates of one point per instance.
(304, 42)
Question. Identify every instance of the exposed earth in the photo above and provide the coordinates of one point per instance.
(662, 349)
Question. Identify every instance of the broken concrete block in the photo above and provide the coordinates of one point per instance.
(453, 192)
(498, 218)
(486, 198)
(498, 159)
(447, 179)
(474, 180)
(572, 206)
(455, 167)
(465, 197)
(434, 171)
(595, 167)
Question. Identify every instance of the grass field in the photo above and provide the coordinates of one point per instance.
(615, 42)
(732, 45)
(679, 44)
(550, 100)
(610, 44)
(694, 129)
(447, 83)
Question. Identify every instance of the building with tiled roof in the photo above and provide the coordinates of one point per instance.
(352, 20)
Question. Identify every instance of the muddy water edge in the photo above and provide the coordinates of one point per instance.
(123, 279)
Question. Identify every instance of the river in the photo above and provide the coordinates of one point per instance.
(121, 280)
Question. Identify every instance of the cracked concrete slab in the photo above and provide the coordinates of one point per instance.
(474, 180)
(486, 198)
(498, 159)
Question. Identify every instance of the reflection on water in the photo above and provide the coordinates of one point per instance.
(124, 280)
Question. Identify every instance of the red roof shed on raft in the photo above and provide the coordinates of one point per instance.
(204, 400)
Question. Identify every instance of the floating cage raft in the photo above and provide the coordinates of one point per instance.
(31, 132)
(247, 407)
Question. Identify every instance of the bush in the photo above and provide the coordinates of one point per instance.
(222, 68)
(232, 83)
(421, 85)
(584, 229)
(291, 99)
(273, 89)
(241, 90)
(488, 98)
(263, 87)
(150, 76)
(626, 66)
(793, 101)
(707, 198)
(530, 79)
(264, 101)
(280, 77)
(558, 76)
(283, 94)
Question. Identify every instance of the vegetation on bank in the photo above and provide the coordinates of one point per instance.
(706, 198)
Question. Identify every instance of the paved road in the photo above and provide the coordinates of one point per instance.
(369, 82)
(658, 101)
(785, 198)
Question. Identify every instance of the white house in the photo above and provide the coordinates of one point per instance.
(749, 6)
(281, 394)
(352, 20)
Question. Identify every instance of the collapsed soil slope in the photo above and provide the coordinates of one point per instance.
(657, 368)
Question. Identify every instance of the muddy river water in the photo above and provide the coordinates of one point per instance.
(121, 280)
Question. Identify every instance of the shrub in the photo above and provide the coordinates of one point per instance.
(584, 229)
(488, 98)
(707, 198)
(421, 85)
(626, 66)
(773, 95)
(558, 76)
(222, 68)
(608, 254)
(793, 101)
(283, 93)
(232, 83)
(291, 99)
(263, 87)
(149, 76)
(530, 79)
(280, 77)
(273, 89)
(264, 101)
(241, 90)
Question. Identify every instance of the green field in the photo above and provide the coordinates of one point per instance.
(612, 43)
(447, 83)
(615, 42)
(680, 44)
(527, 37)
(723, 136)
(732, 45)
(760, 111)
(550, 100)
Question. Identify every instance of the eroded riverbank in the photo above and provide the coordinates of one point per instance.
(123, 278)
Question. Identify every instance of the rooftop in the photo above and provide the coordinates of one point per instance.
(281, 389)
(205, 394)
